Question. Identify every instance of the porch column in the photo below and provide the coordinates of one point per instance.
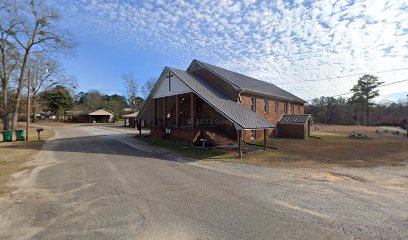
(240, 143)
(164, 111)
(192, 109)
(177, 110)
(265, 139)
(154, 112)
(140, 129)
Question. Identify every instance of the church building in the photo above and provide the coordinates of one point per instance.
(215, 104)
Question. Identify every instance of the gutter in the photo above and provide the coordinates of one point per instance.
(239, 95)
(273, 96)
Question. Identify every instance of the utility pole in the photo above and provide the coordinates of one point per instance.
(28, 105)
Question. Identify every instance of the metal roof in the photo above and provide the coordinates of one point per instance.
(132, 115)
(242, 117)
(249, 84)
(302, 118)
(101, 112)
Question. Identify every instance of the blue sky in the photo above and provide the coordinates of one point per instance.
(293, 44)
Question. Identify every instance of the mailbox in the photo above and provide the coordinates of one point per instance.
(39, 130)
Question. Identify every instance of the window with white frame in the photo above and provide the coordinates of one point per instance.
(253, 104)
(266, 106)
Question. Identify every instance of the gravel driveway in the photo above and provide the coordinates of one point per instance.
(97, 184)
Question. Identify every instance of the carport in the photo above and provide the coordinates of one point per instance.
(101, 116)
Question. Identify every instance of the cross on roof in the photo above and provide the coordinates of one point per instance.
(169, 77)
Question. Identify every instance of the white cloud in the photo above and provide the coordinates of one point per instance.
(274, 41)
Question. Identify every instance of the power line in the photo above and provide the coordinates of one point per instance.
(259, 85)
(383, 85)
(99, 89)
(353, 75)
(325, 79)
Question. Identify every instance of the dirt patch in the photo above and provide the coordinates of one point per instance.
(332, 177)
(348, 176)
(323, 176)
(14, 155)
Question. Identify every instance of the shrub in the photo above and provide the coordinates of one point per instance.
(358, 136)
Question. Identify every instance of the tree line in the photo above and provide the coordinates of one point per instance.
(359, 109)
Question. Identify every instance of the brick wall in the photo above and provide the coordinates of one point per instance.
(189, 135)
(271, 116)
(186, 135)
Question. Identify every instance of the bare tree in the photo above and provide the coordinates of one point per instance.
(148, 86)
(131, 91)
(36, 31)
(46, 74)
(9, 59)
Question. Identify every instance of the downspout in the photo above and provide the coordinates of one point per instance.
(239, 95)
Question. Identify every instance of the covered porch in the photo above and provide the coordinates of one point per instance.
(184, 108)
(189, 119)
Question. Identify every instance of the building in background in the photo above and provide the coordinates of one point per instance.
(99, 116)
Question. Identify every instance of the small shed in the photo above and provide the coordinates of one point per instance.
(101, 116)
(294, 126)
(130, 120)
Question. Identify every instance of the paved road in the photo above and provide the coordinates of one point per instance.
(94, 186)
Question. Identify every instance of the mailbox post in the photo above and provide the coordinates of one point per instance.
(39, 130)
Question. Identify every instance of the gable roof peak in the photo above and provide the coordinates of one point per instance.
(243, 82)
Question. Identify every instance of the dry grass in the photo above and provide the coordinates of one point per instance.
(12, 159)
(334, 148)
(343, 129)
(187, 151)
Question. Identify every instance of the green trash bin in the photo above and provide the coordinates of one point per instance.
(7, 135)
(20, 135)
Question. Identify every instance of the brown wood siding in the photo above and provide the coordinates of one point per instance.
(293, 131)
(218, 82)
(207, 119)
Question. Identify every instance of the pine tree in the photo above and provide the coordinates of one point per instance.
(364, 91)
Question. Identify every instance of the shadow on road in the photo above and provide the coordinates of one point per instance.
(99, 144)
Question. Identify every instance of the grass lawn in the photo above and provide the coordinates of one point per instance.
(186, 150)
(328, 147)
(12, 159)
(331, 148)
(331, 151)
